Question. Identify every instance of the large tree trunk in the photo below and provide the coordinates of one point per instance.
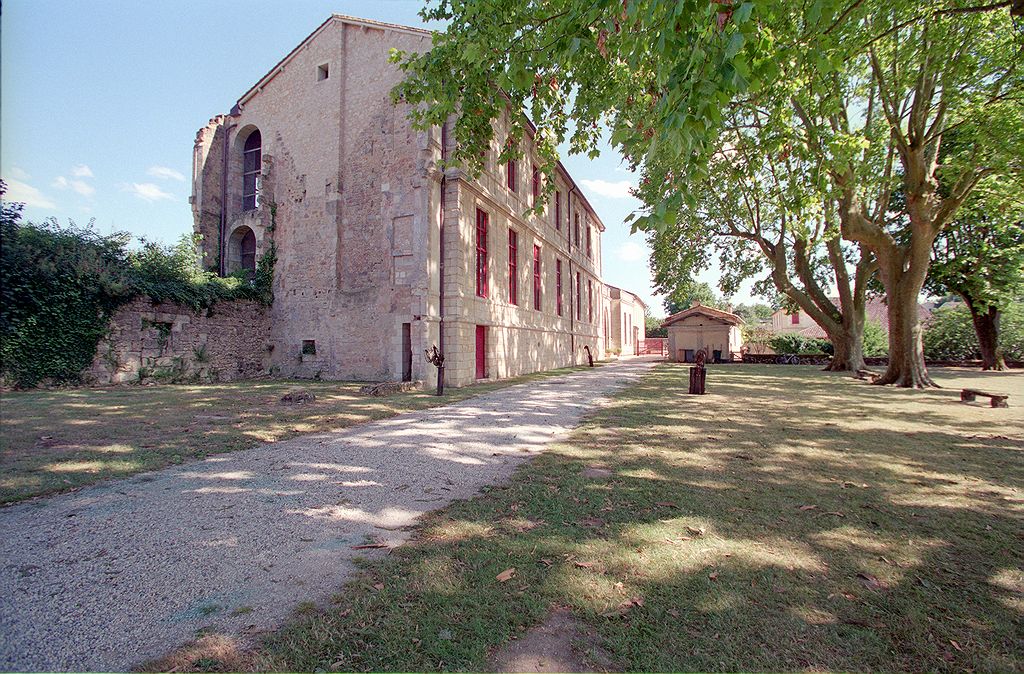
(986, 326)
(902, 270)
(906, 351)
(848, 345)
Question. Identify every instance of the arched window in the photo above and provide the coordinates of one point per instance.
(248, 250)
(251, 160)
(242, 250)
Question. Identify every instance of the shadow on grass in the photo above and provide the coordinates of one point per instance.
(53, 441)
(793, 519)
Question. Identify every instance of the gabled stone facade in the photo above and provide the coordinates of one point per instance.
(627, 322)
(350, 196)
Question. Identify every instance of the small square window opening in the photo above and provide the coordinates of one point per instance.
(309, 347)
(322, 72)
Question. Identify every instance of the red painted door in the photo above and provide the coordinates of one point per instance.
(481, 352)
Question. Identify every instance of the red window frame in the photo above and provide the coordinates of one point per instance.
(510, 174)
(558, 286)
(590, 250)
(579, 297)
(795, 318)
(536, 277)
(513, 266)
(576, 231)
(481, 252)
(590, 300)
(558, 211)
(535, 189)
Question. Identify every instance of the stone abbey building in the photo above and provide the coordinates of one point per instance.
(380, 254)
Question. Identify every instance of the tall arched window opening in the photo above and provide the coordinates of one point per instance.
(242, 250)
(249, 250)
(251, 159)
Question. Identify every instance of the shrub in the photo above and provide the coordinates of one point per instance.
(875, 339)
(60, 285)
(792, 343)
(949, 333)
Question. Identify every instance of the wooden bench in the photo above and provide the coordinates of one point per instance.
(968, 395)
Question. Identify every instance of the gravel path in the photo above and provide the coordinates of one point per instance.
(109, 576)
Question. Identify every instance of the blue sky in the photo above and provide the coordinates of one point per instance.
(102, 99)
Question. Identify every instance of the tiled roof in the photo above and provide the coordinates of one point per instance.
(875, 310)
(700, 309)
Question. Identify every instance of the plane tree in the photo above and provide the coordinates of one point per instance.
(980, 258)
(861, 91)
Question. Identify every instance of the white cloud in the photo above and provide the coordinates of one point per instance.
(81, 171)
(79, 186)
(148, 191)
(18, 174)
(165, 173)
(25, 193)
(613, 190)
(631, 251)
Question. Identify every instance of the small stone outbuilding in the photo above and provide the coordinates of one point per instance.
(701, 327)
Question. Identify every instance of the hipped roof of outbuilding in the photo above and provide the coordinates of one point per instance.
(701, 310)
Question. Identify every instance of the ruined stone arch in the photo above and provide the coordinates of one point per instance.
(241, 249)
(247, 167)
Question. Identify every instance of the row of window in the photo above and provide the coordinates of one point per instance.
(510, 182)
(482, 286)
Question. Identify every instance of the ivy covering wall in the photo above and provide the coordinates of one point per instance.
(59, 286)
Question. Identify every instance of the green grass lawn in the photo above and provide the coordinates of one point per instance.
(791, 519)
(57, 440)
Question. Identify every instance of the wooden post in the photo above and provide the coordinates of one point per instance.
(698, 374)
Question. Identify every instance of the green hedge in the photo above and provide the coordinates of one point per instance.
(949, 333)
(793, 343)
(60, 285)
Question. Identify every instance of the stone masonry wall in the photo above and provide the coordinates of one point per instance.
(519, 337)
(172, 342)
(346, 177)
(355, 193)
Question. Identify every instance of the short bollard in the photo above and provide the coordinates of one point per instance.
(698, 374)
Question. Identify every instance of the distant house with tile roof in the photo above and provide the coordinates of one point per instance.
(801, 323)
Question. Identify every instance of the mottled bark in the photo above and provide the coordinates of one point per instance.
(986, 326)
(906, 351)
(848, 348)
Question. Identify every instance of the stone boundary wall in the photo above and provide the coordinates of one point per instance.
(170, 342)
(874, 361)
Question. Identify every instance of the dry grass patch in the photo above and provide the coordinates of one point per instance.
(58, 440)
(792, 519)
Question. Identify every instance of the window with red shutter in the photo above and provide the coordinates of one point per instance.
(510, 174)
(576, 231)
(558, 287)
(590, 300)
(481, 253)
(558, 211)
(590, 250)
(536, 185)
(536, 278)
(579, 297)
(513, 267)
(795, 318)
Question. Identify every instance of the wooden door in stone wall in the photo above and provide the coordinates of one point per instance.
(406, 351)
